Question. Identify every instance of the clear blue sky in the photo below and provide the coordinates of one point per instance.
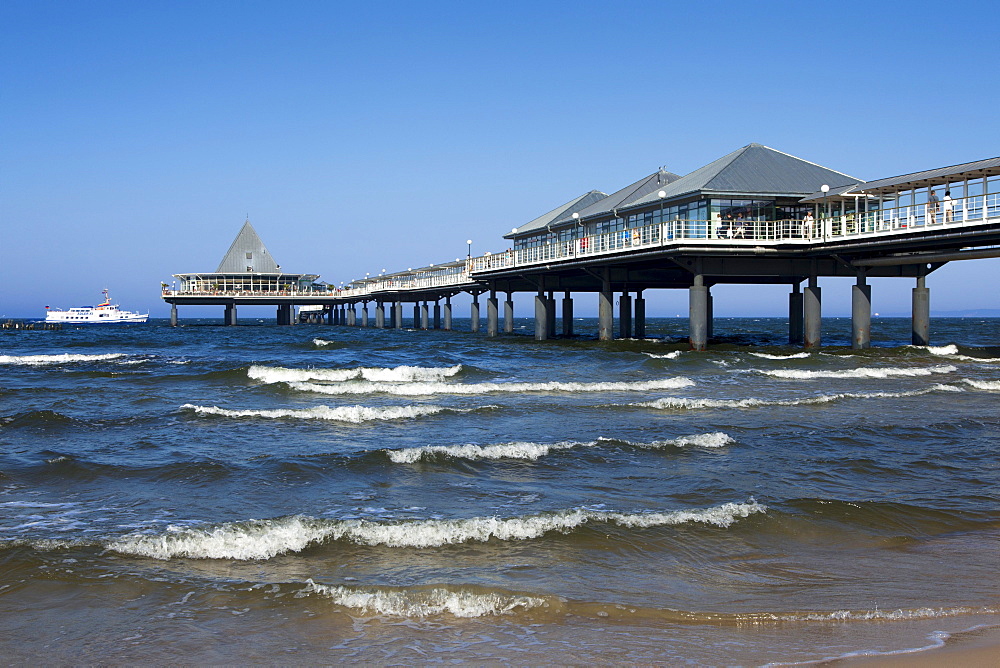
(135, 137)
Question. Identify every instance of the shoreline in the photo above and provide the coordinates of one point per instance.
(978, 647)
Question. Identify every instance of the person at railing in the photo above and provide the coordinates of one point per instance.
(932, 208)
(808, 225)
(949, 207)
(740, 227)
(725, 228)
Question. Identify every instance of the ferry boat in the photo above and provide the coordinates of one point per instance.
(105, 312)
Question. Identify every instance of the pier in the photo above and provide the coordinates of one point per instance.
(755, 216)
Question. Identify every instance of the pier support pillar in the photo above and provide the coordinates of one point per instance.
(173, 315)
(328, 315)
(447, 314)
(541, 317)
(397, 315)
(508, 315)
(379, 315)
(640, 315)
(861, 314)
(567, 315)
(352, 316)
(230, 316)
(437, 315)
(795, 315)
(550, 312)
(812, 313)
(492, 316)
(710, 314)
(698, 314)
(364, 314)
(474, 314)
(921, 315)
(425, 316)
(605, 310)
(625, 316)
(416, 315)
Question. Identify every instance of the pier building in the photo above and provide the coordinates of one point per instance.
(754, 216)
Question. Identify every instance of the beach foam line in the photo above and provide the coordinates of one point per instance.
(989, 385)
(264, 539)
(860, 372)
(683, 403)
(269, 374)
(65, 358)
(424, 602)
(792, 356)
(431, 388)
(352, 414)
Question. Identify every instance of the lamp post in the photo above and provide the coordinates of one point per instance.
(826, 211)
(469, 255)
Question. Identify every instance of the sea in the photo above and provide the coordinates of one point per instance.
(331, 494)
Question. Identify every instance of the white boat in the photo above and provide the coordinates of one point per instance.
(105, 312)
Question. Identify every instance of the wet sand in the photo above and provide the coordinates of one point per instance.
(977, 648)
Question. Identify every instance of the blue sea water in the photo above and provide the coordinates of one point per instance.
(209, 494)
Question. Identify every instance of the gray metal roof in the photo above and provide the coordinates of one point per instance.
(555, 214)
(940, 176)
(622, 198)
(236, 260)
(754, 169)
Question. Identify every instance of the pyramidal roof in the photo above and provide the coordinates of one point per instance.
(247, 254)
(559, 212)
(630, 193)
(755, 169)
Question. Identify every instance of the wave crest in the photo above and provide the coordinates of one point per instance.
(681, 403)
(860, 372)
(425, 602)
(37, 360)
(352, 414)
(270, 374)
(264, 539)
(430, 388)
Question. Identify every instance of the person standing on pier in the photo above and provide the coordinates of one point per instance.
(932, 208)
(949, 207)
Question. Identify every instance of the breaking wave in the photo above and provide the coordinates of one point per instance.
(424, 602)
(683, 403)
(37, 360)
(533, 451)
(323, 342)
(983, 384)
(268, 374)
(264, 539)
(429, 388)
(860, 372)
(666, 356)
(951, 351)
(353, 414)
(792, 356)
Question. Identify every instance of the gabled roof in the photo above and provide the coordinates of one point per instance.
(236, 260)
(754, 169)
(630, 193)
(557, 213)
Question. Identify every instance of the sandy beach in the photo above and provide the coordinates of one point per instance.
(976, 648)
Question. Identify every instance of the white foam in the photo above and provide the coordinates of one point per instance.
(267, 374)
(667, 356)
(431, 388)
(860, 372)
(354, 414)
(716, 439)
(792, 356)
(424, 602)
(264, 539)
(322, 342)
(525, 451)
(678, 403)
(951, 351)
(35, 360)
(983, 384)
